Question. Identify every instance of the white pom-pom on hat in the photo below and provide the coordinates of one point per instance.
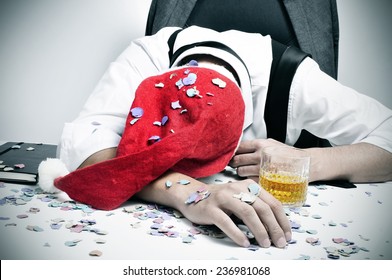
(49, 170)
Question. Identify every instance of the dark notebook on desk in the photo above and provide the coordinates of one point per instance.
(19, 161)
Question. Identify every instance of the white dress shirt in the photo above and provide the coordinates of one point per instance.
(317, 102)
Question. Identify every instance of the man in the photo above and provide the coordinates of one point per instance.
(311, 26)
(359, 127)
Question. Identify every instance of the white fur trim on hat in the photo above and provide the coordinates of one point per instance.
(48, 171)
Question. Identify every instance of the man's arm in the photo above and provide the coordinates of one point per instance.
(359, 163)
(265, 213)
(99, 156)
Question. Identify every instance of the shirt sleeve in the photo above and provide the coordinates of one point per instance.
(332, 111)
(102, 120)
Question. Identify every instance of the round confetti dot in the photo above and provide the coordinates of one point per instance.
(137, 112)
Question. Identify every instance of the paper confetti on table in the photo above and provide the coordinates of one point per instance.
(163, 222)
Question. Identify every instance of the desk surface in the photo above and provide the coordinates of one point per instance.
(337, 223)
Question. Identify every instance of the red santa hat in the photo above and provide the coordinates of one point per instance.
(188, 120)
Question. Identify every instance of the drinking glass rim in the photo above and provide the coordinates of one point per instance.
(301, 153)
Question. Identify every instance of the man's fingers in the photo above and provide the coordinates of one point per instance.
(279, 214)
(245, 159)
(246, 147)
(248, 171)
(275, 231)
(226, 224)
(251, 219)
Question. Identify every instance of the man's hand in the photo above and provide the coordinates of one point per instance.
(248, 156)
(265, 217)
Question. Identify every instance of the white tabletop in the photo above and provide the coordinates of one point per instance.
(349, 223)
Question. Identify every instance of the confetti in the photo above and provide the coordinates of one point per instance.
(333, 256)
(164, 120)
(254, 189)
(304, 257)
(198, 196)
(187, 239)
(22, 216)
(10, 225)
(183, 182)
(153, 139)
(339, 240)
(133, 121)
(192, 92)
(55, 226)
(34, 210)
(191, 199)
(172, 75)
(190, 79)
(179, 84)
(364, 238)
(176, 105)
(193, 63)
(303, 212)
(313, 241)
(245, 197)
(95, 253)
(160, 85)
(34, 228)
(218, 82)
(295, 225)
(101, 232)
(72, 243)
(136, 224)
(253, 247)
(137, 112)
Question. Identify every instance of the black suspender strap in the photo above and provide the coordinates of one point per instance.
(170, 43)
(212, 44)
(286, 61)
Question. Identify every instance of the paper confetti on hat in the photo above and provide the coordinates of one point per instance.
(188, 120)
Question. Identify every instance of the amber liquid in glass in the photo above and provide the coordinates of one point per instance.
(288, 188)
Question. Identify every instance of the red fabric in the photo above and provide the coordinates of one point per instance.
(198, 139)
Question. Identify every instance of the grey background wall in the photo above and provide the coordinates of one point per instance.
(53, 52)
